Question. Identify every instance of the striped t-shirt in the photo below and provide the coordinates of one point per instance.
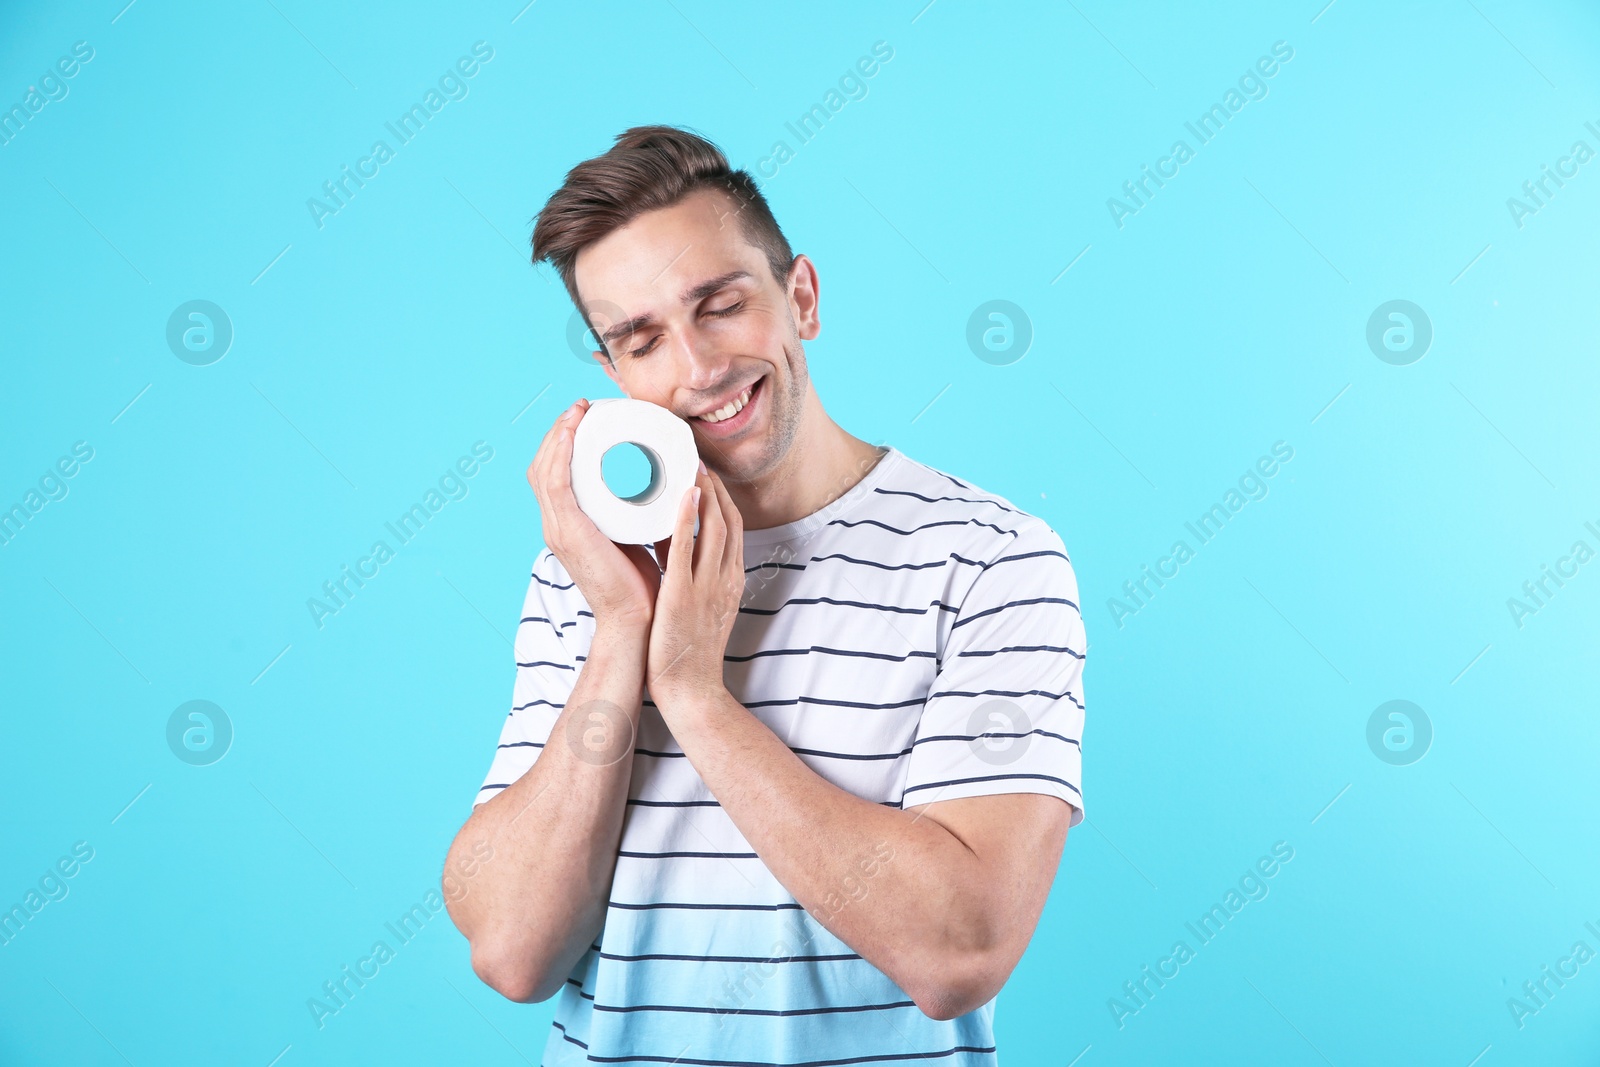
(915, 640)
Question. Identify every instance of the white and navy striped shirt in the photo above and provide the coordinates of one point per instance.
(916, 640)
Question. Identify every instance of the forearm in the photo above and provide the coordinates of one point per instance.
(902, 891)
(533, 907)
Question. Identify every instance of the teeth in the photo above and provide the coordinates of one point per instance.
(728, 410)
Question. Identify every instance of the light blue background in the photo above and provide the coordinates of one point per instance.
(1228, 314)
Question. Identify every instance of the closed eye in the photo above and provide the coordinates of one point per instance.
(722, 313)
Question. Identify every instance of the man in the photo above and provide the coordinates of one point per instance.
(792, 788)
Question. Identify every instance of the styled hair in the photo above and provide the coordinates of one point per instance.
(649, 167)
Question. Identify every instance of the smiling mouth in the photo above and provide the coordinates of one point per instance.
(730, 411)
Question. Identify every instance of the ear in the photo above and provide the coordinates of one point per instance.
(804, 297)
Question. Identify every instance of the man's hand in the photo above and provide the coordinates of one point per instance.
(701, 587)
(619, 582)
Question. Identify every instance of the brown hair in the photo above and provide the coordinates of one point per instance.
(649, 167)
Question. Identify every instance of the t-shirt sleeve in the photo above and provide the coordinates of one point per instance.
(1005, 711)
(547, 672)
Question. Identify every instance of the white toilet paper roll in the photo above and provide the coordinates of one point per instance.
(666, 441)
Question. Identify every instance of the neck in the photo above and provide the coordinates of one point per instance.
(823, 462)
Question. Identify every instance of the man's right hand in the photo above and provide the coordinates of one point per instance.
(619, 582)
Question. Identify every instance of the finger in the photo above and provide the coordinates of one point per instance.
(539, 468)
(730, 511)
(557, 504)
(713, 529)
(733, 551)
(558, 476)
(681, 553)
(554, 430)
(538, 476)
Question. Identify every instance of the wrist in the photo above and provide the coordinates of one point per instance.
(629, 628)
(685, 694)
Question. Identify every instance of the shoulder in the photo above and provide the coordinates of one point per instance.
(981, 526)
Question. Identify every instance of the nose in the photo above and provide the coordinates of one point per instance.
(708, 368)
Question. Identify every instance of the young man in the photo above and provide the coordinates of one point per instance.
(791, 789)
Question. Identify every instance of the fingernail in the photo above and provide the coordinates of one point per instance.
(702, 466)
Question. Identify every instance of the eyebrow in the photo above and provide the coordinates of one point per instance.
(689, 296)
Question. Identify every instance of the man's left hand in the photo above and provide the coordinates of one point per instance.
(701, 588)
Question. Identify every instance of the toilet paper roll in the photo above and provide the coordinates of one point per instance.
(666, 441)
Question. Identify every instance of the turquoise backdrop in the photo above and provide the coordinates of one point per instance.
(180, 479)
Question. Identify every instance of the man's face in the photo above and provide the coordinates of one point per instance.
(694, 320)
